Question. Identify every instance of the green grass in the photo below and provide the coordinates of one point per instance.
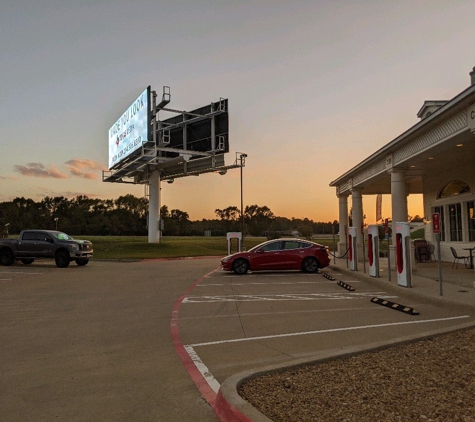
(137, 247)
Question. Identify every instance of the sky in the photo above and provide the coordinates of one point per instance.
(314, 87)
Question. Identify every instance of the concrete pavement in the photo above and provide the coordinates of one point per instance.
(458, 293)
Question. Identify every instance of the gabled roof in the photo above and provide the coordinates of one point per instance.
(430, 104)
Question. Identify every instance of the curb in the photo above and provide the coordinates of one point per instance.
(229, 388)
(405, 292)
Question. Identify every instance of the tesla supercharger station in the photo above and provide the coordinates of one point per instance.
(373, 250)
(403, 254)
(352, 249)
(234, 235)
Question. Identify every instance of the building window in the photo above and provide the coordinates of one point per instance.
(454, 188)
(471, 220)
(455, 222)
(440, 210)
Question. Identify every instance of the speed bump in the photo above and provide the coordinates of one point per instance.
(346, 286)
(396, 306)
(328, 276)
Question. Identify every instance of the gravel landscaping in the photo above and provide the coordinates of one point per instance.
(429, 380)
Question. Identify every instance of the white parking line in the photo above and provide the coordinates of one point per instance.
(281, 297)
(309, 311)
(272, 283)
(17, 272)
(332, 330)
(207, 375)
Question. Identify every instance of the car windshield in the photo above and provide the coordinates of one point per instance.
(62, 236)
(255, 247)
(267, 246)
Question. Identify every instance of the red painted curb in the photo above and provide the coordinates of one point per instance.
(221, 407)
(227, 412)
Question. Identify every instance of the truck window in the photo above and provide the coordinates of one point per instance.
(30, 236)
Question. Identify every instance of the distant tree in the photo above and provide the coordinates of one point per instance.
(258, 219)
(127, 216)
(230, 218)
(305, 230)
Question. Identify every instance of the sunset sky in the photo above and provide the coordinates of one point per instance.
(314, 87)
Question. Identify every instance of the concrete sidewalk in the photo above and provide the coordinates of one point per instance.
(457, 283)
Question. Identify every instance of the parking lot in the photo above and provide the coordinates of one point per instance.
(94, 342)
(234, 323)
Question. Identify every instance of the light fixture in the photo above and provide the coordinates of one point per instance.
(431, 158)
(460, 145)
(170, 180)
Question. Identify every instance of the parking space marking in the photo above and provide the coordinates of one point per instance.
(205, 372)
(331, 330)
(271, 283)
(17, 272)
(309, 311)
(287, 297)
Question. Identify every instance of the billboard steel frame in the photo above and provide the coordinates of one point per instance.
(183, 145)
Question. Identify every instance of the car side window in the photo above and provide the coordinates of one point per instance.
(274, 246)
(291, 244)
(45, 237)
(29, 236)
(305, 245)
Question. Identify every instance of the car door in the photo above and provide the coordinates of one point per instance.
(292, 254)
(43, 245)
(27, 244)
(267, 257)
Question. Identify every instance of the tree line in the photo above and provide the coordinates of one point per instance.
(127, 216)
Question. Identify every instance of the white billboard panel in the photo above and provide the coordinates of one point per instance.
(131, 130)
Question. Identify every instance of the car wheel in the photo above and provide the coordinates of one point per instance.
(310, 265)
(62, 259)
(6, 257)
(82, 262)
(27, 261)
(240, 266)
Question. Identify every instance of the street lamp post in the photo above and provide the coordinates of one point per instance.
(242, 158)
(56, 223)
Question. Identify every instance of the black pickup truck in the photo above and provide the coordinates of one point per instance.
(34, 244)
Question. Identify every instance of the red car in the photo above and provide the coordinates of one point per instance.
(279, 254)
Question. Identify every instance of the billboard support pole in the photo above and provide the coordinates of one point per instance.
(154, 187)
(154, 207)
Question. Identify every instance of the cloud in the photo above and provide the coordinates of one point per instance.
(79, 167)
(40, 170)
(82, 168)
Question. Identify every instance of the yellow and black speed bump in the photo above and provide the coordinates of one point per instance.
(396, 306)
(346, 286)
(328, 276)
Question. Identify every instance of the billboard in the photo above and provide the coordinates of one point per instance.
(131, 130)
(198, 131)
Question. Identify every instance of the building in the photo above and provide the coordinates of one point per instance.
(435, 158)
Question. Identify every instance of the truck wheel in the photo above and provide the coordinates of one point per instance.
(62, 259)
(82, 262)
(27, 261)
(6, 257)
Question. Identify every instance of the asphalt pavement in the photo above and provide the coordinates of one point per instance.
(170, 340)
